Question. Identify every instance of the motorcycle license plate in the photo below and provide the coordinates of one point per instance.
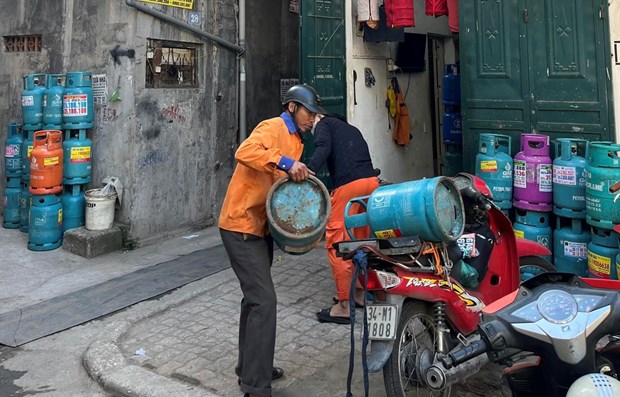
(382, 321)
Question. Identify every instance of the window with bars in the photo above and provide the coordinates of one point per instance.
(25, 43)
(170, 64)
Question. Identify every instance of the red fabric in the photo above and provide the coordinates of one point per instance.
(399, 14)
(453, 15)
(436, 8)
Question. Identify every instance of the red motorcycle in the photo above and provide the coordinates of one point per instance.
(420, 307)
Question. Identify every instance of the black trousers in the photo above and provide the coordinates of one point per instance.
(251, 257)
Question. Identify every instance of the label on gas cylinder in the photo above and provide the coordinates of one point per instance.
(488, 166)
(599, 265)
(545, 178)
(27, 100)
(80, 154)
(563, 175)
(575, 250)
(60, 216)
(30, 151)
(519, 234)
(75, 105)
(11, 151)
(50, 161)
(520, 174)
(391, 233)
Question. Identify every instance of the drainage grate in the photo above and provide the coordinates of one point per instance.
(27, 43)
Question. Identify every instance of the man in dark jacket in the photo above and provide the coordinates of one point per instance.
(345, 151)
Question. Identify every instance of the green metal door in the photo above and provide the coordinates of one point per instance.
(322, 60)
(322, 51)
(533, 66)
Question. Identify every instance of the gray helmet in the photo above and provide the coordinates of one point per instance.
(306, 95)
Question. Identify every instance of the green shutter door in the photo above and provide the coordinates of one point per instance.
(533, 65)
(322, 51)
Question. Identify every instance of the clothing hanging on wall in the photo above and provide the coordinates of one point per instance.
(383, 33)
(399, 13)
(453, 15)
(400, 132)
(368, 12)
(436, 8)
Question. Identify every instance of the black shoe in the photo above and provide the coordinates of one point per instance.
(276, 373)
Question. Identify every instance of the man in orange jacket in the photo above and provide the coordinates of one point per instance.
(343, 148)
(271, 151)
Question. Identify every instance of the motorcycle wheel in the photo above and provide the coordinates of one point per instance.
(530, 266)
(416, 333)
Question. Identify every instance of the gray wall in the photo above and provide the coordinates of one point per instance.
(171, 148)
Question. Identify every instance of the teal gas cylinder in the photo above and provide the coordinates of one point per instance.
(494, 165)
(452, 126)
(45, 231)
(617, 231)
(76, 157)
(429, 208)
(32, 101)
(26, 152)
(603, 185)
(602, 253)
(570, 246)
(534, 226)
(10, 203)
(297, 213)
(12, 152)
(453, 159)
(78, 109)
(569, 177)
(25, 200)
(73, 207)
(52, 101)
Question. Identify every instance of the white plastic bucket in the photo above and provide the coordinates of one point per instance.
(99, 209)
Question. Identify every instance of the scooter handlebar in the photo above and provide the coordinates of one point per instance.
(459, 356)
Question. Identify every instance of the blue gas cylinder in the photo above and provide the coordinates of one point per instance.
(603, 185)
(453, 159)
(602, 253)
(534, 226)
(452, 128)
(12, 152)
(569, 177)
(494, 166)
(25, 200)
(10, 203)
(451, 89)
(45, 231)
(73, 207)
(77, 102)
(617, 231)
(430, 208)
(26, 152)
(570, 243)
(52, 101)
(32, 102)
(77, 158)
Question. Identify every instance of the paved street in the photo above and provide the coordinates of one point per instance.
(184, 343)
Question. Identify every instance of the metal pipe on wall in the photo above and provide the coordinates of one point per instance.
(242, 86)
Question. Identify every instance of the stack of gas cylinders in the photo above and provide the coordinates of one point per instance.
(570, 204)
(452, 130)
(46, 175)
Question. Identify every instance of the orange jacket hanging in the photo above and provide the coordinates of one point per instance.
(400, 132)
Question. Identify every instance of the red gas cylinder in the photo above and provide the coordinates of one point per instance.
(46, 163)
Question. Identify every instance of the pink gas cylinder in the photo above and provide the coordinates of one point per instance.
(533, 174)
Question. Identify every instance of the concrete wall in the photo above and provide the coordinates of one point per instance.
(397, 163)
(171, 148)
(614, 28)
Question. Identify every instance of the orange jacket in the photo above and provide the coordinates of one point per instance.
(243, 209)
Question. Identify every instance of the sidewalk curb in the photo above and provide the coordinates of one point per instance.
(104, 361)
